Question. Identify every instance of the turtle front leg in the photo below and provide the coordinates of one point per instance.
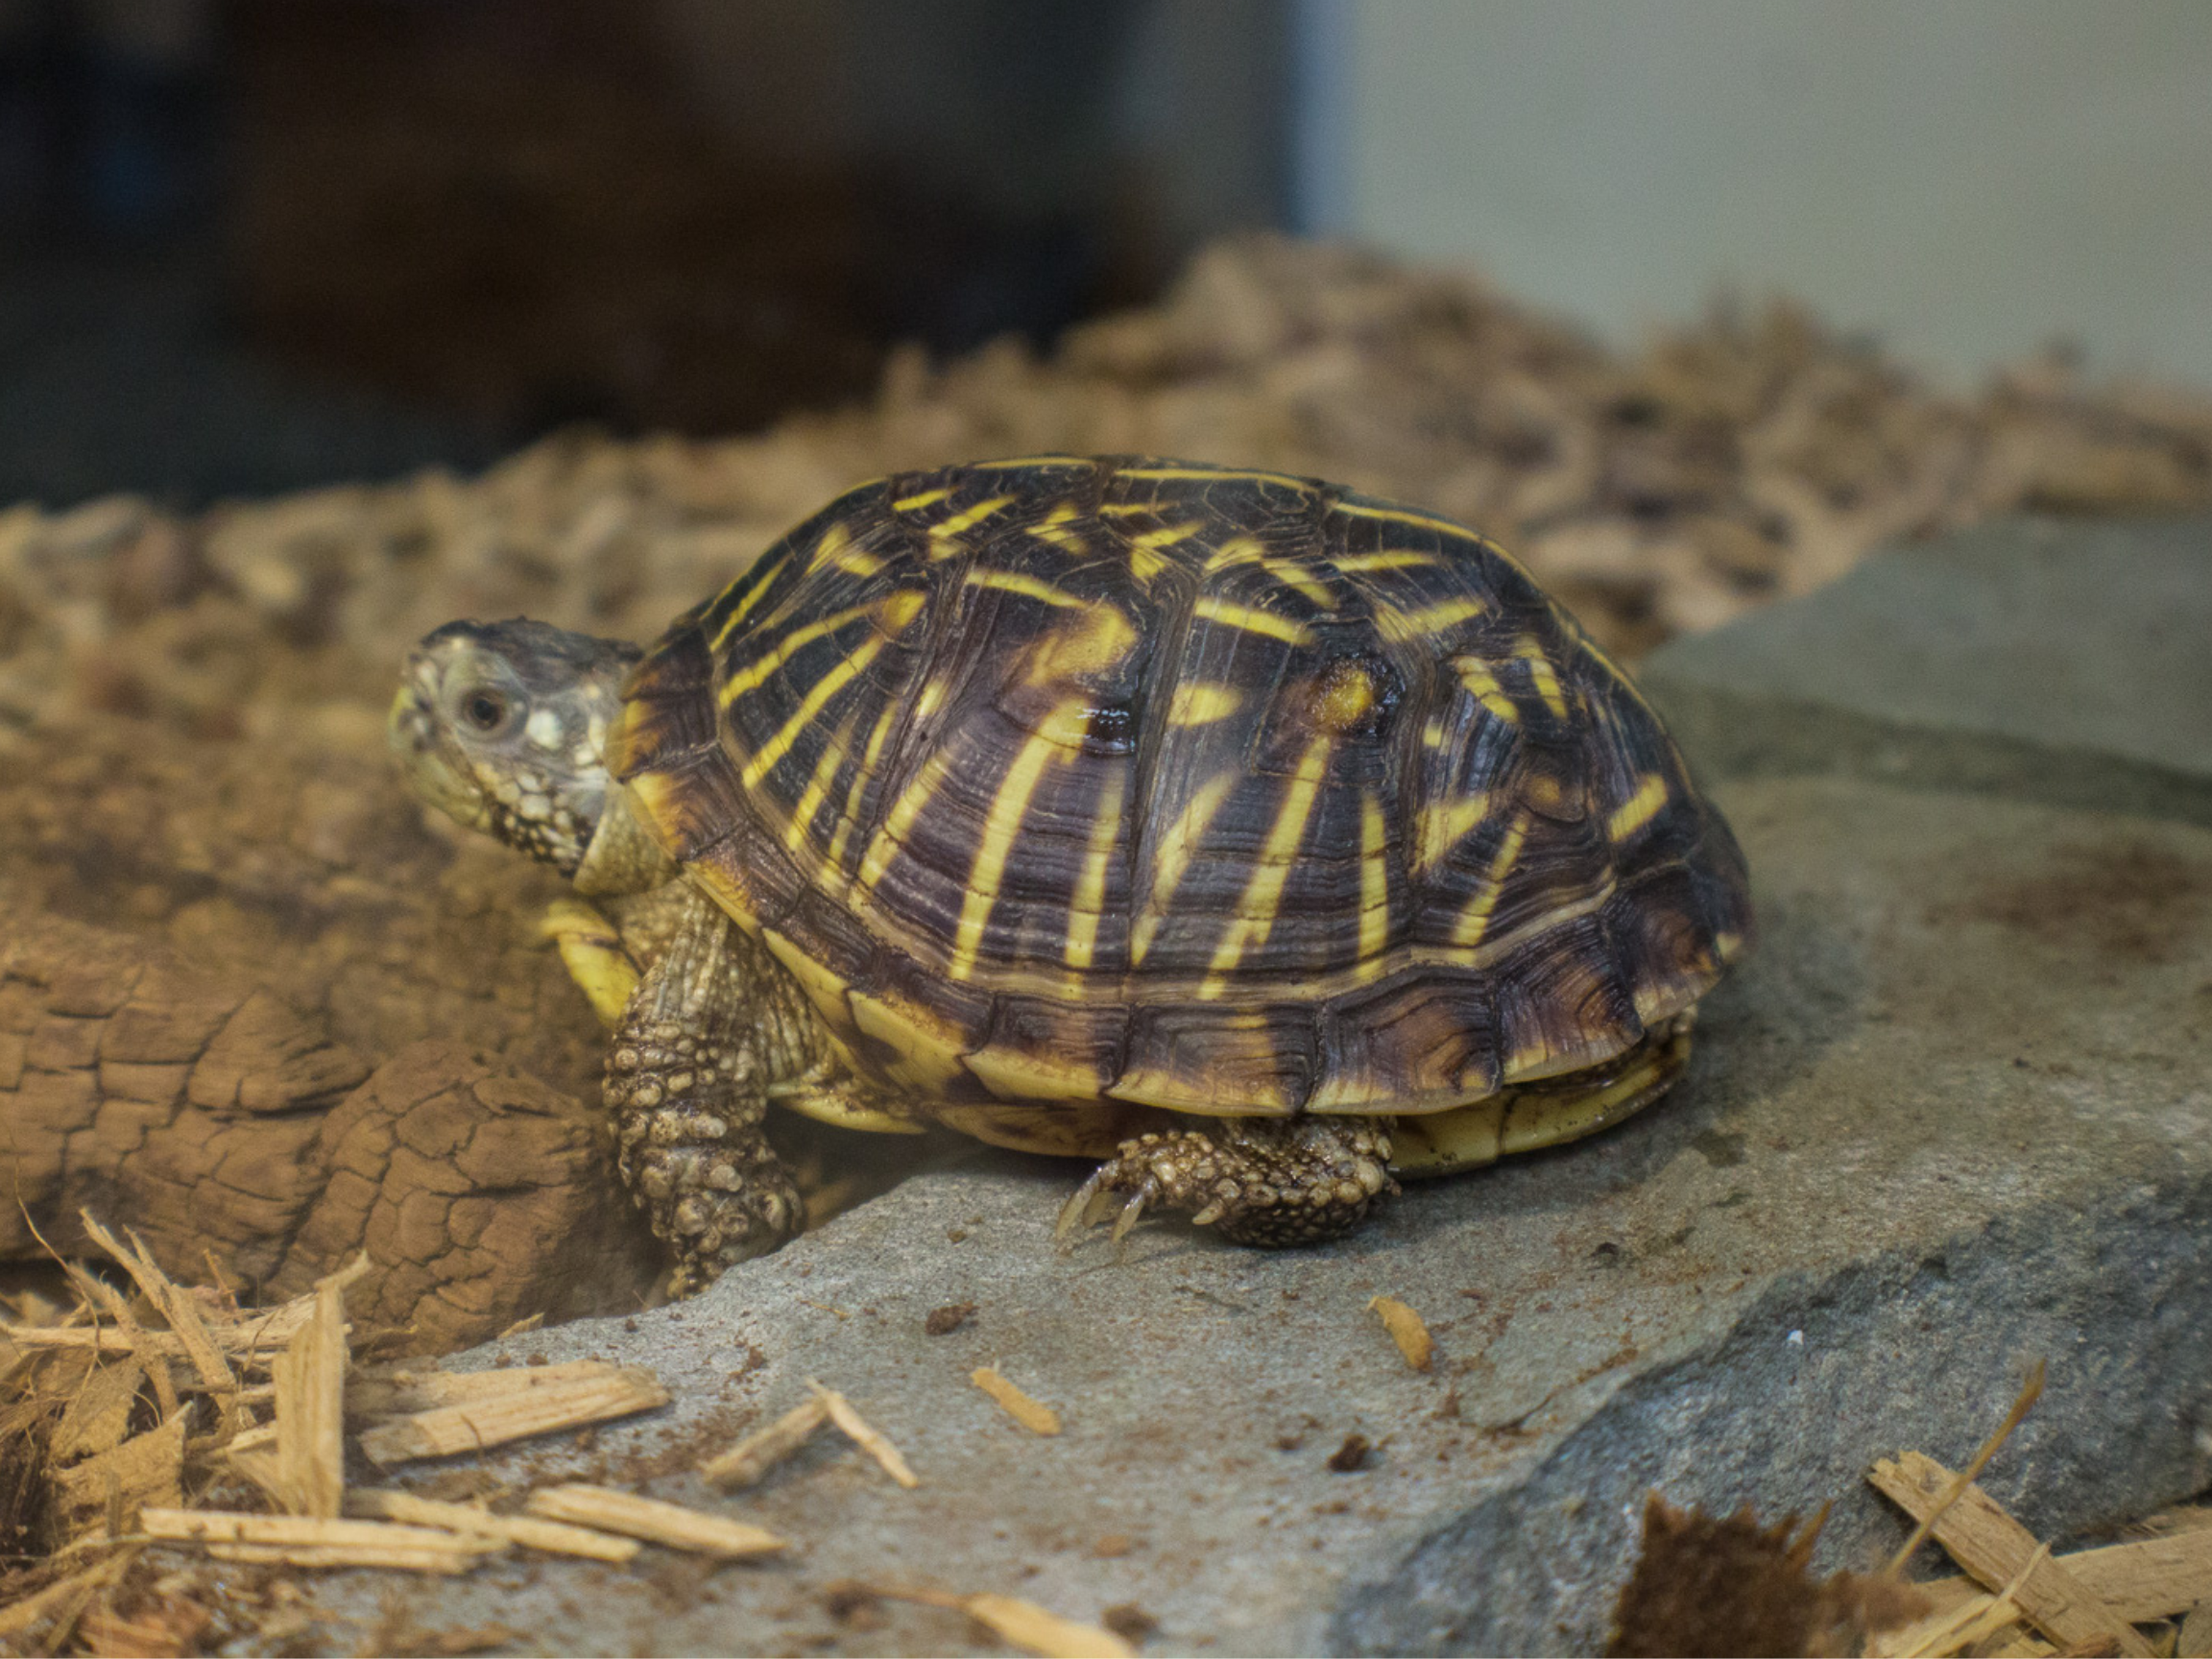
(1266, 1181)
(688, 1077)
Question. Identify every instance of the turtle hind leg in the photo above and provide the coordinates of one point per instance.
(686, 1088)
(1264, 1180)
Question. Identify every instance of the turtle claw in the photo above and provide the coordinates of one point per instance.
(1257, 1181)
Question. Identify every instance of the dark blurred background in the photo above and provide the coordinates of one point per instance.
(254, 243)
(247, 244)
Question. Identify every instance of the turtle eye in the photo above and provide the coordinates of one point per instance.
(484, 708)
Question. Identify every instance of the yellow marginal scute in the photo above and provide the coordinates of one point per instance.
(928, 1051)
(825, 990)
(592, 950)
(1012, 1074)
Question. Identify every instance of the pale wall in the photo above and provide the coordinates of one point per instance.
(1966, 178)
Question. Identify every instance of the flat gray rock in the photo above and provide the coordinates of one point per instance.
(1951, 1118)
(2049, 659)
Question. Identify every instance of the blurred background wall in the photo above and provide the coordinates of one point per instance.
(1966, 178)
(250, 244)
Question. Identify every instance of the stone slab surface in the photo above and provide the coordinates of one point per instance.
(1950, 1117)
(2049, 659)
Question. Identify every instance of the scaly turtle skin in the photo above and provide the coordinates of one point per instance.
(1254, 836)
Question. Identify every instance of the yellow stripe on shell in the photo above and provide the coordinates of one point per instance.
(1399, 516)
(762, 580)
(1021, 463)
(840, 675)
(945, 538)
(743, 680)
(1029, 586)
(1545, 676)
(1483, 682)
(1146, 560)
(835, 550)
(1093, 645)
(810, 798)
(1374, 884)
(1197, 704)
(889, 838)
(1263, 898)
(1253, 620)
(1090, 900)
(1638, 809)
(1223, 474)
(1008, 807)
(899, 610)
(1173, 859)
(927, 498)
(1444, 824)
(1385, 559)
(1475, 920)
(1406, 626)
(1054, 528)
(1247, 550)
(835, 863)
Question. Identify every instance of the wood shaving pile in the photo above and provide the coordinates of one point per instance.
(150, 1416)
(1751, 455)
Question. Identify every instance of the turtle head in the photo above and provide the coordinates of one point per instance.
(503, 726)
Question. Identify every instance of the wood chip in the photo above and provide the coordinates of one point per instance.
(759, 1452)
(2194, 1640)
(655, 1522)
(393, 1393)
(1030, 1626)
(1033, 1415)
(61, 1601)
(314, 1541)
(2146, 1578)
(554, 1537)
(402, 1559)
(310, 1473)
(515, 1414)
(1406, 1331)
(869, 1440)
(1994, 1547)
(106, 1492)
(98, 1416)
(176, 1304)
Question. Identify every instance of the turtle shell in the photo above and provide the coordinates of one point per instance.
(1069, 782)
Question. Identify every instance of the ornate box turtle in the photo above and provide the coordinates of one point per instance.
(1257, 838)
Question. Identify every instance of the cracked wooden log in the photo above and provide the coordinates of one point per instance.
(221, 1126)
